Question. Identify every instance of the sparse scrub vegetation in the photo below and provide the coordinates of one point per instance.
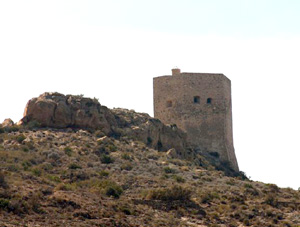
(20, 138)
(170, 194)
(169, 170)
(3, 182)
(124, 181)
(74, 166)
(106, 159)
(68, 151)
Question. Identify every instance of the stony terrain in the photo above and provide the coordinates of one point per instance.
(126, 176)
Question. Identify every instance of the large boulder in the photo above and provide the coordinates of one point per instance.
(62, 111)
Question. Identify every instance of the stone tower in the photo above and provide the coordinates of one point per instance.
(200, 104)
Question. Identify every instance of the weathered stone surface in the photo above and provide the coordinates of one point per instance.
(61, 111)
(149, 130)
(199, 104)
(7, 123)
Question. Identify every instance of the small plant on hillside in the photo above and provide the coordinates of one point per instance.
(65, 187)
(68, 151)
(179, 179)
(126, 166)
(74, 166)
(54, 178)
(114, 191)
(169, 170)
(106, 159)
(26, 165)
(4, 203)
(20, 138)
(112, 147)
(3, 182)
(33, 124)
(108, 187)
(103, 173)
(170, 194)
(37, 172)
(126, 156)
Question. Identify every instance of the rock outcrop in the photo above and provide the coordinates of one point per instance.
(149, 130)
(7, 123)
(62, 111)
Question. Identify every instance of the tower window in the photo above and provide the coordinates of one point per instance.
(169, 103)
(196, 99)
(209, 100)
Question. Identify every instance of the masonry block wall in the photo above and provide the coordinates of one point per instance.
(200, 104)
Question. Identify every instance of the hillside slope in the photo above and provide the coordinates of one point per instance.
(127, 176)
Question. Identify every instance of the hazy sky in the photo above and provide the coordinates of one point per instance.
(112, 49)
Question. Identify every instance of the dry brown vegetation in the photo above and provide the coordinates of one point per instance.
(78, 178)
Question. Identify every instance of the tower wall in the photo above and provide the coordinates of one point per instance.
(200, 104)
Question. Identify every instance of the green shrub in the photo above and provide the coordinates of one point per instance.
(106, 159)
(3, 182)
(26, 165)
(25, 148)
(74, 166)
(209, 196)
(169, 170)
(103, 173)
(273, 187)
(4, 203)
(149, 141)
(248, 185)
(179, 179)
(33, 124)
(126, 166)
(126, 156)
(108, 187)
(112, 148)
(114, 191)
(170, 194)
(68, 151)
(37, 172)
(65, 187)
(54, 178)
(271, 200)
(20, 138)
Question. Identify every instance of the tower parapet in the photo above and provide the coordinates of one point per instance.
(176, 72)
(200, 104)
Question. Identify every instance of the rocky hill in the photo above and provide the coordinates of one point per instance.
(73, 162)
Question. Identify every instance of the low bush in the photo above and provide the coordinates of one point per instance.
(74, 166)
(68, 151)
(179, 179)
(126, 156)
(103, 173)
(170, 194)
(169, 170)
(126, 166)
(37, 172)
(107, 187)
(106, 159)
(3, 183)
(4, 203)
(112, 147)
(20, 138)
